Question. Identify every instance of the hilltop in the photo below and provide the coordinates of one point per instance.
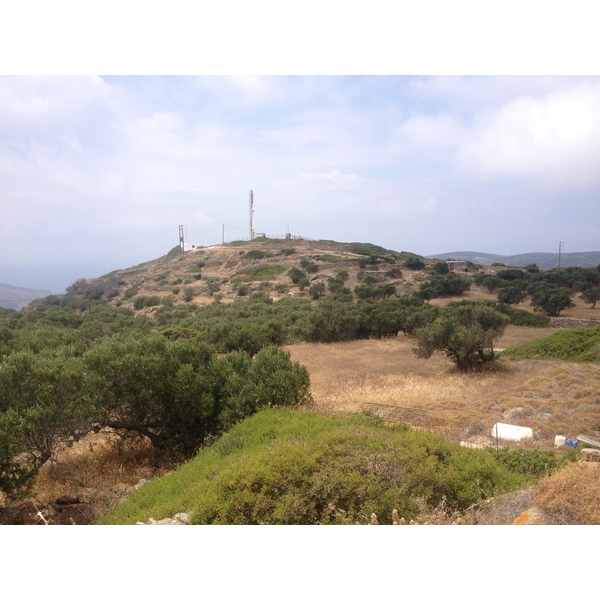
(233, 270)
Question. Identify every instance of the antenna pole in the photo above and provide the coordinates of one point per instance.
(181, 241)
(251, 213)
(560, 245)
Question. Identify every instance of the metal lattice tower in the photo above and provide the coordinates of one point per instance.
(251, 213)
(181, 241)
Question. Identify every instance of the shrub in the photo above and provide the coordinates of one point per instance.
(414, 263)
(309, 266)
(296, 275)
(262, 272)
(317, 290)
(513, 292)
(394, 273)
(130, 293)
(299, 467)
(188, 294)
(577, 345)
(145, 302)
(254, 254)
(444, 286)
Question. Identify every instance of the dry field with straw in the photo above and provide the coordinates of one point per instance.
(552, 397)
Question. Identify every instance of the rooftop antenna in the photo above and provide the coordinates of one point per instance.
(251, 213)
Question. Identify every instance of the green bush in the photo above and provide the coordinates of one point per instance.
(301, 467)
(317, 290)
(414, 263)
(532, 464)
(188, 294)
(254, 255)
(130, 293)
(577, 345)
(263, 272)
(309, 266)
(145, 302)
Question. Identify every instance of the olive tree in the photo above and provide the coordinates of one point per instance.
(464, 333)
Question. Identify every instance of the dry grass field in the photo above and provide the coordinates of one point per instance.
(552, 397)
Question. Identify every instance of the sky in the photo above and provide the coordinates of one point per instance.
(97, 172)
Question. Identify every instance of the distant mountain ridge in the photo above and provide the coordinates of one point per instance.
(544, 260)
(17, 297)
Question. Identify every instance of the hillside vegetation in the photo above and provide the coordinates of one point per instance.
(577, 345)
(282, 467)
(160, 360)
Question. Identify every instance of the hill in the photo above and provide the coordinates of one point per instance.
(544, 260)
(380, 370)
(18, 297)
(229, 271)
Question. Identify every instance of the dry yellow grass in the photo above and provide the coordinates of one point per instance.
(571, 496)
(552, 397)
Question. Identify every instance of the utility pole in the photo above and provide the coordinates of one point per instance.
(223, 234)
(181, 241)
(251, 213)
(560, 245)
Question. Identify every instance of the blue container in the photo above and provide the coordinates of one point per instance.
(572, 443)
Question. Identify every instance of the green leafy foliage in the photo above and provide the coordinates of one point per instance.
(365, 291)
(414, 264)
(317, 290)
(296, 275)
(264, 272)
(464, 333)
(549, 299)
(513, 292)
(145, 302)
(591, 295)
(283, 467)
(256, 255)
(309, 266)
(532, 464)
(578, 345)
(444, 286)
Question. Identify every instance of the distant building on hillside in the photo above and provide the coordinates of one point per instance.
(457, 265)
(187, 247)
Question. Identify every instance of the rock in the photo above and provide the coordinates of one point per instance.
(178, 519)
(531, 516)
(516, 413)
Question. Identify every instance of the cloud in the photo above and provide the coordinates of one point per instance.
(334, 176)
(553, 139)
(125, 159)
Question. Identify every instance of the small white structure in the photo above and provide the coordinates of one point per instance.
(512, 433)
(187, 247)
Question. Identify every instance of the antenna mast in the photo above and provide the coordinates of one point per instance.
(251, 213)
(181, 241)
(560, 245)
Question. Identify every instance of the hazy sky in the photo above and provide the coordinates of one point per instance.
(98, 172)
